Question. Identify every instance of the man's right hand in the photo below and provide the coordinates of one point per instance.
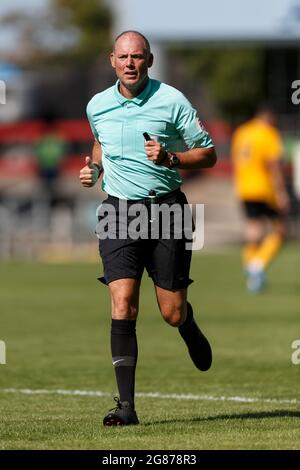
(89, 174)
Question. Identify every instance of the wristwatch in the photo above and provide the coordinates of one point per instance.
(173, 160)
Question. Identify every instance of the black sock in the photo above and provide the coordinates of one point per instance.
(198, 345)
(189, 329)
(189, 321)
(124, 352)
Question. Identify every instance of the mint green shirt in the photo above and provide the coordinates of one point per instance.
(118, 124)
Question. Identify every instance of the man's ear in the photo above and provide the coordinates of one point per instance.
(112, 60)
(150, 60)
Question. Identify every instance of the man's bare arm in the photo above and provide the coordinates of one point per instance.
(282, 197)
(92, 170)
(197, 158)
(97, 153)
(190, 160)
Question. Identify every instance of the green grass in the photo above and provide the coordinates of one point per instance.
(55, 322)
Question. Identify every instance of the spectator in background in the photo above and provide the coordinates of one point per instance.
(49, 152)
(259, 182)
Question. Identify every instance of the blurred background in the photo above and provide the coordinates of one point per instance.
(226, 57)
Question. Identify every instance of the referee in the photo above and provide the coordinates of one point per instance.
(144, 132)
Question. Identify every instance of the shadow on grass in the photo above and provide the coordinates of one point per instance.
(226, 417)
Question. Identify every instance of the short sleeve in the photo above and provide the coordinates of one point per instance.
(189, 126)
(90, 119)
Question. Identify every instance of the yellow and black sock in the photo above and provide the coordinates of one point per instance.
(249, 252)
(268, 249)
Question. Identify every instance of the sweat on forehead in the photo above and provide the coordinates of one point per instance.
(132, 34)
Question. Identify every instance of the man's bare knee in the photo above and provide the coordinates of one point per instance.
(280, 228)
(124, 308)
(172, 305)
(124, 299)
(254, 231)
(173, 315)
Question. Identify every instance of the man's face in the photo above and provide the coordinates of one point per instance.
(131, 61)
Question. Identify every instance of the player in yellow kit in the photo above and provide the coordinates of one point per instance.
(256, 153)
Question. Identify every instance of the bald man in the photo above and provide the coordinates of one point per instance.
(144, 132)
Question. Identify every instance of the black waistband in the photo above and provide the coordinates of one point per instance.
(158, 199)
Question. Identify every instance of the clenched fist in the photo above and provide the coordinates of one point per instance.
(155, 152)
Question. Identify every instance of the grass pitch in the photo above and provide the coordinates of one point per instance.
(55, 323)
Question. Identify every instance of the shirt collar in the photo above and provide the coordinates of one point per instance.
(137, 99)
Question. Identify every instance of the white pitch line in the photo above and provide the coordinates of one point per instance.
(162, 396)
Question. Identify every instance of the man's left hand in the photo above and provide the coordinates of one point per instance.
(283, 203)
(156, 152)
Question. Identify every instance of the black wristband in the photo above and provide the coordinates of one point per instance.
(99, 168)
(164, 157)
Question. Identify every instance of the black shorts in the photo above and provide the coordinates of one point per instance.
(167, 261)
(259, 210)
